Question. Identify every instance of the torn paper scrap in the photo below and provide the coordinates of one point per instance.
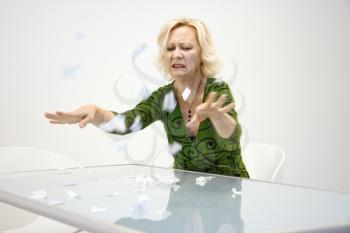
(236, 193)
(39, 194)
(169, 102)
(202, 180)
(174, 147)
(137, 125)
(186, 93)
(53, 202)
(71, 195)
(116, 124)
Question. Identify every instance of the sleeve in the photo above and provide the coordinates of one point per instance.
(233, 142)
(141, 116)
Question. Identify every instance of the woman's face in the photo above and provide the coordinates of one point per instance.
(183, 53)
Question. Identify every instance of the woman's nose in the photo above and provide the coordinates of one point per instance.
(177, 53)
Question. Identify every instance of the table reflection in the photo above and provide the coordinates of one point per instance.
(212, 207)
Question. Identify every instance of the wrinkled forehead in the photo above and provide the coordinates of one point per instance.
(183, 33)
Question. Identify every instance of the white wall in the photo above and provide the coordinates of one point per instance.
(291, 78)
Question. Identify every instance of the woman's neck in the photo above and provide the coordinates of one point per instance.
(189, 82)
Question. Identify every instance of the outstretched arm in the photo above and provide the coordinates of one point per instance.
(82, 116)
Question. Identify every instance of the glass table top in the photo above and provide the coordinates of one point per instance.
(123, 198)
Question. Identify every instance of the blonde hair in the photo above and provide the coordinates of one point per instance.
(210, 61)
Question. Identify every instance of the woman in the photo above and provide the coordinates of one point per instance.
(203, 121)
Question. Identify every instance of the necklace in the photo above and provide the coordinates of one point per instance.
(189, 107)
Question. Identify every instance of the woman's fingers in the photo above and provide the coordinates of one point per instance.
(82, 115)
(227, 108)
(50, 115)
(84, 121)
(61, 118)
(59, 113)
(56, 122)
(192, 122)
(220, 101)
(211, 97)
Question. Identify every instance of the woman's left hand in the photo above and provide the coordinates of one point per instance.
(213, 109)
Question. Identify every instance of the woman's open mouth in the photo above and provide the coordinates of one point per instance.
(178, 66)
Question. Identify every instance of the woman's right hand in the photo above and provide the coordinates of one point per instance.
(83, 115)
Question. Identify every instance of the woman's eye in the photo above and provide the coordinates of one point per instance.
(186, 48)
(170, 49)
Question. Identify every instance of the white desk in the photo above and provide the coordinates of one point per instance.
(124, 198)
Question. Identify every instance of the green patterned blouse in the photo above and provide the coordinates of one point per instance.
(207, 151)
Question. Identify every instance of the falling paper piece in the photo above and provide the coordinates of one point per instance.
(186, 93)
(137, 125)
(40, 194)
(72, 195)
(113, 194)
(95, 209)
(163, 214)
(70, 71)
(169, 102)
(174, 147)
(80, 35)
(236, 193)
(116, 124)
(55, 202)
(202, 180)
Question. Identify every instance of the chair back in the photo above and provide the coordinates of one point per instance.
(263, 161)
(20, 159)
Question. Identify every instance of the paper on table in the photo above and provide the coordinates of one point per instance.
(202, 180)
(236, 193)
(39, 194)
(53, 201)
(72, 195)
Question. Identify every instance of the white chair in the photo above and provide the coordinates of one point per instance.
(263, 161)
(17, 159)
